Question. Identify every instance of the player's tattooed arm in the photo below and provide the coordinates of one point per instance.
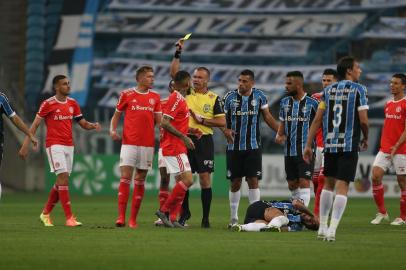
(166, 124)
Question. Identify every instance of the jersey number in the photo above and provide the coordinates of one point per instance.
(338, 110)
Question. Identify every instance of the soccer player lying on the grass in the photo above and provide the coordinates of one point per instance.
(287, 215)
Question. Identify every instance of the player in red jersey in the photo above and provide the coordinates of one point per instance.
(165, 177)
(329, 77)
(142, 108)
(392, 151)
(175, 143)
(58, 113)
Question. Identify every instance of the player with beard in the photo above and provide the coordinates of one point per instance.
(297, 112)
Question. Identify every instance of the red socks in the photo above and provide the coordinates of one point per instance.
(176, 198)
(315, 180)
(123, 194)
(53, 198)
(320, 185)
(138, 195)
(63, 192)
(403, 204)
(162, 196)
(378, 192)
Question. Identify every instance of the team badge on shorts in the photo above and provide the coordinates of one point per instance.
(57, 164)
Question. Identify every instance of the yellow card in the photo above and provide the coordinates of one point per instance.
(187, 36)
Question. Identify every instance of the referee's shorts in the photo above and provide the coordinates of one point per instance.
(202, 157)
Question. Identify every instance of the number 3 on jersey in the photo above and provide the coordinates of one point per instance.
(338, 110)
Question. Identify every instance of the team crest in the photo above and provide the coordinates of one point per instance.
(304, 110)
(206, 108)
(134, 100)
(398, 109)
(57, 164)
(151, 101)
(71, 109)
(253, 102)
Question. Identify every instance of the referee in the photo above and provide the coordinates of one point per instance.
(206, 112)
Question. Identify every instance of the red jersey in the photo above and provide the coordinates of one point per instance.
(177, 109)
(58, 119)
(319, 133)
(161, 130)
(139, 119)
(393, 126)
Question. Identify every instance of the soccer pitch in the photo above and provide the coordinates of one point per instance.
(26, 244)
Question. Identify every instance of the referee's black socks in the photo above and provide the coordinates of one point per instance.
(206, 196)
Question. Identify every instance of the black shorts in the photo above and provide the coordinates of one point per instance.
(242, 163)
(296, 167)
(255, 212)
(202, 157)
(341, 166)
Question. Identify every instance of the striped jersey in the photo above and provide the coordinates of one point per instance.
(341, 126)
(242, 116)
(297, 116)
(5, 108)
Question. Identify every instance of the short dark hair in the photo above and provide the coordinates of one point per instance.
(330, 71)
(142, 70)
(181, 77)
(295, 73)
(204, 69)
(248, 72)
(57, 78)
(345, 63)
(400, 76)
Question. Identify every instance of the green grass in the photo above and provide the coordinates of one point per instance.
(26, 244)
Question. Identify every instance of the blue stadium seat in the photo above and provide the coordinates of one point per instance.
(35, 9)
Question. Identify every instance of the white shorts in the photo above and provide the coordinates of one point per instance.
(60, 158)
(384, 161)
(139, 157)
(319, 159)
(177, 164)
(161, 161)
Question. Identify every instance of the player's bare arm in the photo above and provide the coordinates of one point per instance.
(113, 126)
(280, 134)
(18, 122)
(298, 204)
(400, 141)
(229, 134)
(157, 118)
(166, 124)
(175, 64)
(88, 125)
(269, 119)
(316, 124)
(363, 121)
(23, 153)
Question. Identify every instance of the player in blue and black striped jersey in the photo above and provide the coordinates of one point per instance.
(287, 215)
(296, 113)
(7, 109)
(243, 108)
(343, 114)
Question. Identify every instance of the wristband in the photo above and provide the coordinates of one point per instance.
(177, 54)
